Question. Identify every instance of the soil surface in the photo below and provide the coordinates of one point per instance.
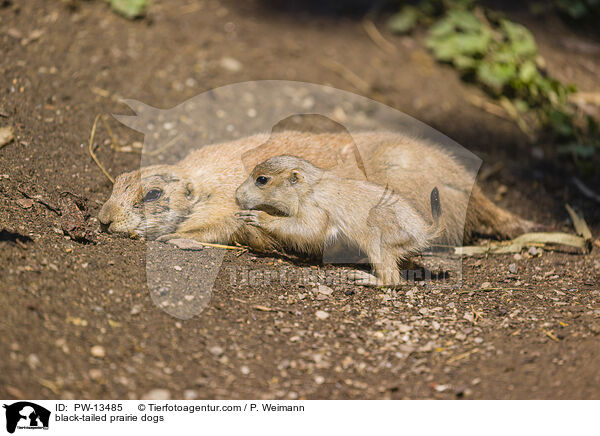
(79, 321)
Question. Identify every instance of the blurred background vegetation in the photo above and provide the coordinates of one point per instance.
(490, 51)
(501, 56)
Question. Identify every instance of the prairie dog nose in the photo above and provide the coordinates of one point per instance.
(105, 218)
(105, 227)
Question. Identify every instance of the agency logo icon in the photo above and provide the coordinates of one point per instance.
(26, 415)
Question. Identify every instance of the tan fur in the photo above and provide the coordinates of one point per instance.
(410, 166)
(315, 206)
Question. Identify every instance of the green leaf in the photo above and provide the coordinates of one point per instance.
(445, 49)
(581, 150)
(404, 21)
(129, 8)
(495, 75)
(521, 105)
(575, 8)
(521, 40)
(465, 20)
(527, 71)
(459, 44)
(442, 28)
(472, 43)
(465, 63)
(560, 122)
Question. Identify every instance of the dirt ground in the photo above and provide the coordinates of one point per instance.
(78, 319)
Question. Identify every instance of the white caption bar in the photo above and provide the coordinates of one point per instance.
(299, 417)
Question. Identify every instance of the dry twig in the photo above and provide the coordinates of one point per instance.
(580, 225)
(92, 152)
(463, 355)
(491, 108)
(377, 37)
(585, 190)
(550, 335)
(347, 74)
(539, 239)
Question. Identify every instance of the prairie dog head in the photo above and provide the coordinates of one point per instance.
(278, 184)
(150, 202)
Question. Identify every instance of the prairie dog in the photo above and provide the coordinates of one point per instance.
(195, 199)
(410, 166)
(306, 207)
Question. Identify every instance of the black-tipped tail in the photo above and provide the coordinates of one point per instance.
(436, 207)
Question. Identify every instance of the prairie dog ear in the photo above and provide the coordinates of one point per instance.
(295, 176)
(190, 191)
(194, 192)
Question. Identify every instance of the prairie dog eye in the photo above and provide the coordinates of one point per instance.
(261, 180)
(152, 195)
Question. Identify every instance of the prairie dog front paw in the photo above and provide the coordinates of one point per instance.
(256, 218)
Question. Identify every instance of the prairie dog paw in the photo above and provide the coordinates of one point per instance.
(166, 238)
(186, 244)
(361, 278)
(255, 218)
(181, 242)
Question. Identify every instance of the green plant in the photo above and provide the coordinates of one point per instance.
(579, 9)
(502, 56)
(129, 8)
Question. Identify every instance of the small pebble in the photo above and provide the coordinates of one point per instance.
(98, 351)
(190, 394)
(14, 33)
(136, 309)
(95, 374)
(33, 361)
(322, 314)
(231, 64)
(157, 394)
(512, 268)
(325, 290)
(25, 203)
(533, 251)
(216, 350)
(537, 152)
(7, 135)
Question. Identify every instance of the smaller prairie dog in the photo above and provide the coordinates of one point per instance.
(306, 207)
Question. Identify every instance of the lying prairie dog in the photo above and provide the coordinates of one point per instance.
(306, 207)
(410, 166)
(195, 199)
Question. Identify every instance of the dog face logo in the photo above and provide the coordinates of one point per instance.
(26, 415)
